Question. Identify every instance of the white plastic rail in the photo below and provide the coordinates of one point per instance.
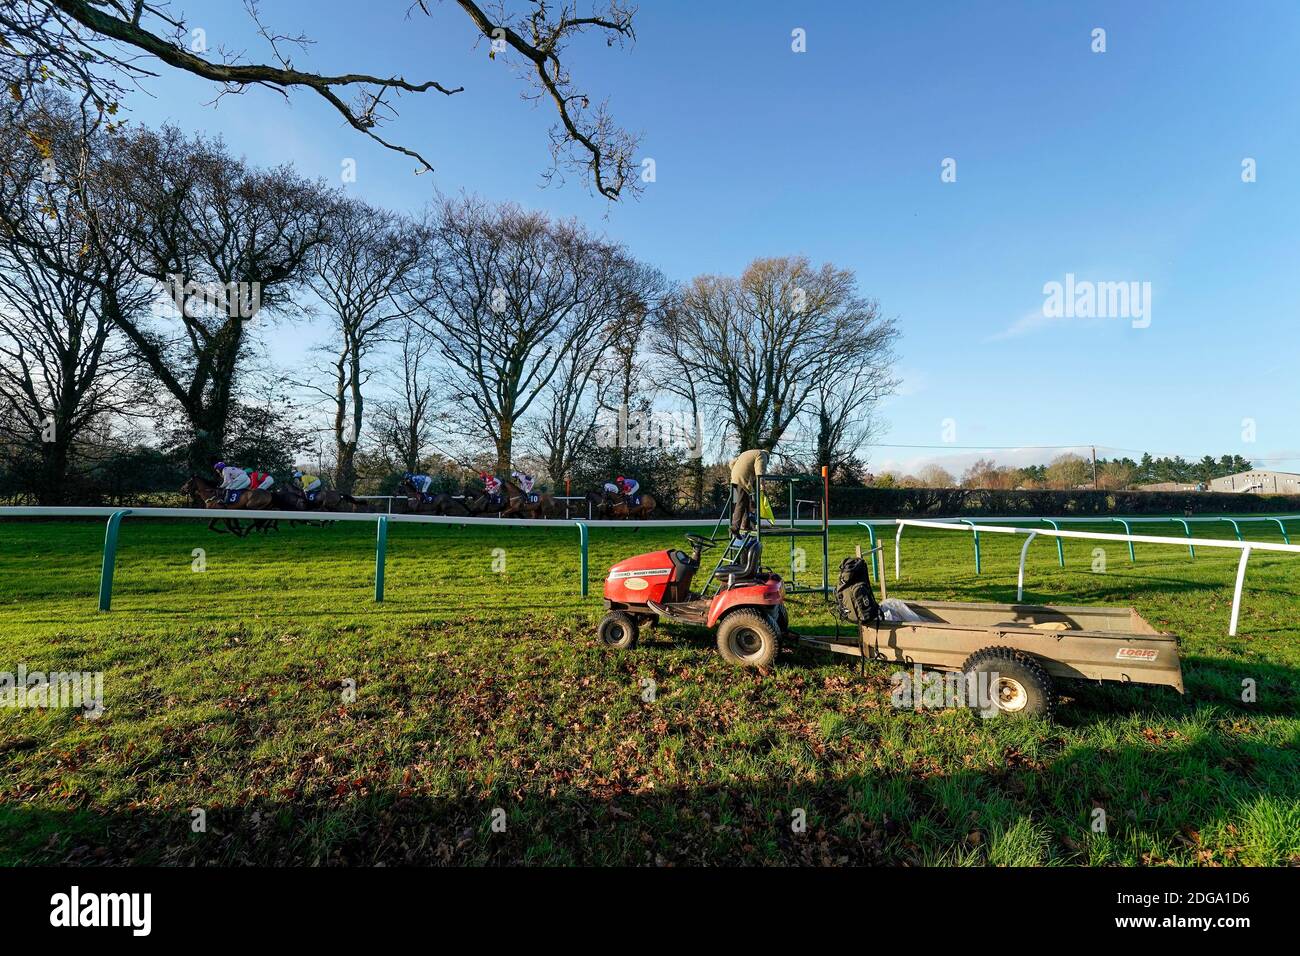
(1245, 547)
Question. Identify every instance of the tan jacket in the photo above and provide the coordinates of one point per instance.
(747, 467)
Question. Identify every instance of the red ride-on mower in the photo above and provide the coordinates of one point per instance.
(747, 605)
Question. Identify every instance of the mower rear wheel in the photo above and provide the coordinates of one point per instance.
(748, 638)
(618, 629)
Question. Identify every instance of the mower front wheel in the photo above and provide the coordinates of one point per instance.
(618, 629)
(748, 638)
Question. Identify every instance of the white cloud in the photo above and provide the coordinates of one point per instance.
(1027, 323)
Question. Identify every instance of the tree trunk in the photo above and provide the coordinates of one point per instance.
(503, 443)
(345, 480)
(51, 482)
(209, 437)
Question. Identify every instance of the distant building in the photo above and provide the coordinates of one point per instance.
(1167, 486)
(1259, 482)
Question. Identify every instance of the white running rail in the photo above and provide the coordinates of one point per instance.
(1245, 547)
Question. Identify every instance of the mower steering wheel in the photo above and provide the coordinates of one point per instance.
(699, 542)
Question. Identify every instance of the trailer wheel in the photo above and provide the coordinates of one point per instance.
(1020, 686)
(618, 629)
(748, 638)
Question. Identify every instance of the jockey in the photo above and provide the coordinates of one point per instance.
(232, 478)
(259, 480)
(628, 487)
(491, 483)
(525, 482)
(309, 485)
(234, 482)
(610, 488)
(421, 483)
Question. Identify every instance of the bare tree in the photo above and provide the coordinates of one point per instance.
(405, 421)
(103, 48)
(572, 405)
(758, 347)
(841, 407)
(936, 476)
(61, 367)
(357, 275)
(671, 353)
(509, 295)
(228, 242)
(1067, 471)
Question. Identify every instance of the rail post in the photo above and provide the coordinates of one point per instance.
(1236, 592)
(974, 531)
(898, 550)
(583, 537)
(110, 559)
(381, 552)
(1285, 536)
(1236, 528)
(877, 558)
(1024, 551)
(1127, 530)
(1191, 548)
(1060, 551)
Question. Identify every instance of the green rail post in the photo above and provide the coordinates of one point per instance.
(110, 559)
(1127, 530)
(583, 537)
(877, 560)
(1285, 537)
(974, 531)
(381, 552)
(1191, 548)
(1060, 551)
(1235, 527)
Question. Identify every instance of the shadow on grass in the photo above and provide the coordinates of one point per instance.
(1199, 798)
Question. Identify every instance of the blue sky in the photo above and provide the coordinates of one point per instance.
(1117, 166)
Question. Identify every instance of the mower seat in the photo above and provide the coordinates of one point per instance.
(745, 566)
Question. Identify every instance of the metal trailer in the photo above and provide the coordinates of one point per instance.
(1023, 646)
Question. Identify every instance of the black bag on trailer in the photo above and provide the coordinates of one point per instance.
(856, 600)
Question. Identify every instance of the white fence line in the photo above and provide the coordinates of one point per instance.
(1245, 547)
(115, 516)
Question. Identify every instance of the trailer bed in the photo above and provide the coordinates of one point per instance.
(1081, 643)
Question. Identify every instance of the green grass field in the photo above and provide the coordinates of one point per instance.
(488, 727)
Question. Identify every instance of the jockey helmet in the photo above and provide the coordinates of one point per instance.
(220, 466)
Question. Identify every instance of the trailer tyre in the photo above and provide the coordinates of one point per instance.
(748, 638)
(618, 629)
(1022, 687)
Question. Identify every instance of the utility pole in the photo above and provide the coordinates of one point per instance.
(1095, 486)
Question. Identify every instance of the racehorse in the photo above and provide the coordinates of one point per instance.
(616, 506)
(327, 499)
(206, 494)
(436, 504)
(486, 504)
(518, 503)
